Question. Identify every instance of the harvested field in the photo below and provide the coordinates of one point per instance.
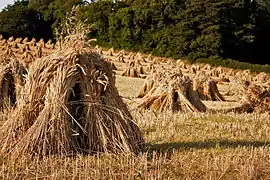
(180, 146)
(202, 143)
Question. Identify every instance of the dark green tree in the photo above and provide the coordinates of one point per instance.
(261, 17)
(98, 14)
(236, 29)
(58, 10)
(21, 21)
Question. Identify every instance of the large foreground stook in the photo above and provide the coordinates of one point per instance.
(70, 105)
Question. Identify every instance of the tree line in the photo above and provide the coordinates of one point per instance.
(216, 29)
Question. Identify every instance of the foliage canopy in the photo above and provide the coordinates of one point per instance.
(235, 29)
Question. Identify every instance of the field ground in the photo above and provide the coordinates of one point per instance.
(179, 146)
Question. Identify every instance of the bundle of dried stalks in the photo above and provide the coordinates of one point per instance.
(231, 72)
(220, 70)
(122, 52)
(32, 42)
(139, 57)
(110, 52)
(99, 50)
(115, 57)
(70, 104)
(262, 78)
(258, 97)
(151, 68)
(235, 88)
(175, 95)
(222, 79)
(41, 43)
(181, 64)
(130, 56)
(25, 40)
(207, 89)
(50, 45)
(134, 69)
(113, 67)
(10, 39)
(3, 42)
(12, 78)
(118, 58)
(194, 69)
(207, 67)
(155, 78)
(213, 73)
(156, 60)
(148, 85)
(171, 62)
(245, 75)
(149, 58)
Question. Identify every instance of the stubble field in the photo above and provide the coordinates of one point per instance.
(209, 145)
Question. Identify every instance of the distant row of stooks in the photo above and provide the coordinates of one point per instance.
(25, 50)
